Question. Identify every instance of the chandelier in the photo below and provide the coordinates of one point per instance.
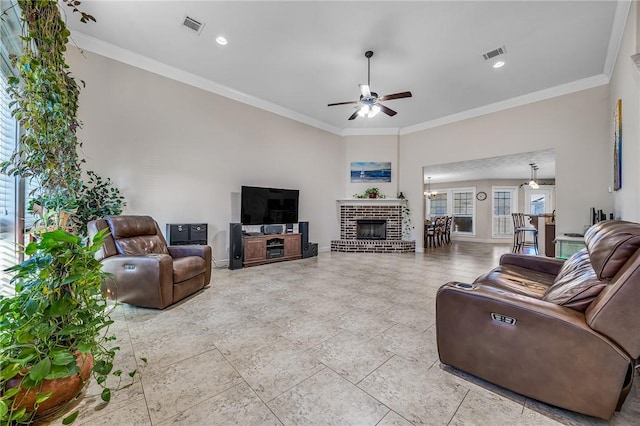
(429, 193)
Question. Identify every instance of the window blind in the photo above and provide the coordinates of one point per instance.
(9, 45)
(8, 191)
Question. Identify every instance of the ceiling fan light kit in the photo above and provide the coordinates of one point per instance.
(369, 103)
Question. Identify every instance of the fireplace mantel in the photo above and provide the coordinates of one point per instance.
(372, 202)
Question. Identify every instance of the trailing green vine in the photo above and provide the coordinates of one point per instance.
(45, 101)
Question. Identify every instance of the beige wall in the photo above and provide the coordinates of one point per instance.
(575, 125)
(625, 85)
(181, 154)
(372, 148)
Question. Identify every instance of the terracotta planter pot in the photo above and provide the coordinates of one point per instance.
(64, 389)
(373, 195)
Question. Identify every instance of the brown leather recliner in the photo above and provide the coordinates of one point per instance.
(565, 333)
(145, 271)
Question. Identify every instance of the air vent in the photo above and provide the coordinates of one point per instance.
(192, 24)
(495, 52)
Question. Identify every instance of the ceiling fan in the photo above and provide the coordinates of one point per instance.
(370, 101)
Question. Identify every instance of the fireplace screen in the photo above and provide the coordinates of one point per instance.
(369, 229)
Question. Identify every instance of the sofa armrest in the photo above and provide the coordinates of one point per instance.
(145, 280)
(546, 265)
(530, 346)
(194, 250)
(189, 250)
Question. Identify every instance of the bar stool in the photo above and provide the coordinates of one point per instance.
(520, 242)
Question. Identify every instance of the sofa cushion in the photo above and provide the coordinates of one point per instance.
(517, 279)
(136, 235)
(131, 226)
(579, 259)
(188, 267)
(576, 285)
(611, 243)
(147, 244)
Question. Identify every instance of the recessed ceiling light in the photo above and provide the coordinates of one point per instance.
(221, 40)
(498, 64)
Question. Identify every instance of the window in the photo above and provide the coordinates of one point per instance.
(505, 202)
(463, 210)
(459, 203)
(539, 201)
(8, 191)
(438, 205)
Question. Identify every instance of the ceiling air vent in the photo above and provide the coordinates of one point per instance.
(192, 24)
(495, 52)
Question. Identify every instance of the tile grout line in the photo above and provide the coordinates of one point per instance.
(458, 407)
(133, 349)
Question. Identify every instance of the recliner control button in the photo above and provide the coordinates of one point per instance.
(503, 318)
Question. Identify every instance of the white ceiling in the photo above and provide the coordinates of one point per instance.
(295, 57)
(514, 166)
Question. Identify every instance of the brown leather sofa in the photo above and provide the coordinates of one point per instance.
(565, 333)
(145, 271)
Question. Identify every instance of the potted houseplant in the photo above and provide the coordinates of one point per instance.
(94, 199)
(97, 198)
(370, 193)
(55, 327)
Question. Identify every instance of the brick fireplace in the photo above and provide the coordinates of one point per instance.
(369, 216)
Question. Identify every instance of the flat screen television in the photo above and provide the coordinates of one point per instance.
(265, 206)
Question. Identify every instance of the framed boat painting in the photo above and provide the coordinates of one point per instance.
(370, 171)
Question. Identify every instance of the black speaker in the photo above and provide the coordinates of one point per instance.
(235, 246)
(289, 228)
(313, 249)
(177, 234)
(303, 229)
(198, 233)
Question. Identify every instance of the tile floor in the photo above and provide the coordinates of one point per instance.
(341, 339)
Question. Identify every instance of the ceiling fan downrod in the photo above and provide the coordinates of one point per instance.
(368, 54)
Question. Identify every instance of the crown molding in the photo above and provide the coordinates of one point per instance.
(552, 92)
(92, 44)
(617, 32)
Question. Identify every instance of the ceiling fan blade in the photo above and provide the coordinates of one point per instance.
(386, 110)
(355, 114)
(344, 103)
(365, 90)
(395, 96)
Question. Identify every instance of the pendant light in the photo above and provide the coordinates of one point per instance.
(533, 183)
